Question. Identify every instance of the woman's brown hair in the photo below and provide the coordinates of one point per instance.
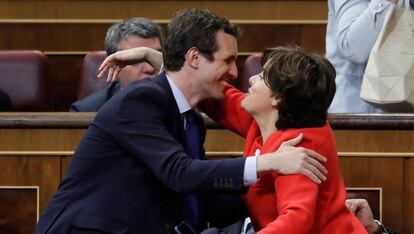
(305, 84)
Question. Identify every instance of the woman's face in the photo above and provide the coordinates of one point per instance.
(259, 99)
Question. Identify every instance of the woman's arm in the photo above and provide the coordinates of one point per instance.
(228, 112)
(297, 195)
(114, 63)
(359, 23)
(296, 201)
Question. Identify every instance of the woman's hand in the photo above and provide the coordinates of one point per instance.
(114, 63)
(289, 159)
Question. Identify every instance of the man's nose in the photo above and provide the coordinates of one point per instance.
(233, 71)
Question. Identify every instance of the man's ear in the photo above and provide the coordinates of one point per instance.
(192, 57)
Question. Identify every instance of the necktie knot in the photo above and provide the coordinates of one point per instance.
(189, 116)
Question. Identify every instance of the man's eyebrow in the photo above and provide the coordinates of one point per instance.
(231, 57)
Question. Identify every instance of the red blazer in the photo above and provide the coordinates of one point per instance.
(290, 203)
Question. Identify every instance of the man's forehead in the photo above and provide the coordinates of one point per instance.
(136, 41)
(226, 43)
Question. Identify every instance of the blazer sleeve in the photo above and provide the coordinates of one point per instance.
(296, 203)
(143, 126)
(228, 112)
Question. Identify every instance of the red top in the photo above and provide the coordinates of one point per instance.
(289, 203)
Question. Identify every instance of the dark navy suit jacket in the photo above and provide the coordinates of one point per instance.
(130, 169)
(95, 101)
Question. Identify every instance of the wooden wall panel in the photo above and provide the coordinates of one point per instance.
(368, 158)
(409, 195)
(155, 9)
(53, 36)
(313, 38)
(256, 37)
(374, 141)
(69, 37)
(39, 139)
(372, 172)
(19, 210)
(42, 171)
(223, 140)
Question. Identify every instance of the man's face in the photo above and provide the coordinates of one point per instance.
(141, 70)
(213, 75)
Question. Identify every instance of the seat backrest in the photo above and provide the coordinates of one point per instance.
(89, 83)
(252, 66)
(24, 77)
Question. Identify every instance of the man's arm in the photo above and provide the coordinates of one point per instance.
(144, 127)
(362, 211)
(289, 159)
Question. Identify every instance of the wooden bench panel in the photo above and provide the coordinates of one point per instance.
(19, 209)
(69, 37)
(366, 161)
(160, 9)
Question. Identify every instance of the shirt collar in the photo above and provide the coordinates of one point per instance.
(182, 103)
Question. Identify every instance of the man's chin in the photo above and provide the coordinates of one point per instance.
(218, 95)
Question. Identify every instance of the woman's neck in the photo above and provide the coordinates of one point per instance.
(267, 124)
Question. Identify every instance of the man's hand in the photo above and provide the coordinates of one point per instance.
(289, 159)
(115, 62)
(362, 211)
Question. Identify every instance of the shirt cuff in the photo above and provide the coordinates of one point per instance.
(250, 171)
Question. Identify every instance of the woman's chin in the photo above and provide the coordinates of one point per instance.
(244, 105)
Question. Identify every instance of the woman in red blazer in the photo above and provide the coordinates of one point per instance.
(290, 97)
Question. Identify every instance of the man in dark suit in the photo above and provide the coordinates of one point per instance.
(131, 33)
(131, 172)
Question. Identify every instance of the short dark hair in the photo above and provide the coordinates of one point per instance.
(305, 83)
(138, 27)
(197, 28)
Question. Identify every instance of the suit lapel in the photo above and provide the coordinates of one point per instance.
(175, 117)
